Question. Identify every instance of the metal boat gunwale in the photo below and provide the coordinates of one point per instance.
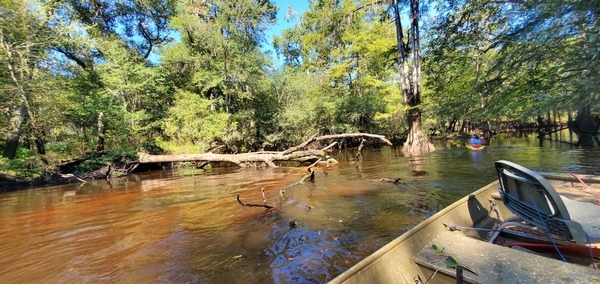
(376, 256)
(402, 250)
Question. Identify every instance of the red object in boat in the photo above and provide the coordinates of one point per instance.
(581, 251)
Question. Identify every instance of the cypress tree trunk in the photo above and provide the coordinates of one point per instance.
(586, 126)
(417, 141)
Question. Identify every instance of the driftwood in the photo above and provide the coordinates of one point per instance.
(252, 205)
(359, 152)
(265, 205)
(359, 156)
(310, 176)
(71, 176)
(297, 153)
(392, 180)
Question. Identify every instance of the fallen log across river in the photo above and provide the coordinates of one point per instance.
(298, 153)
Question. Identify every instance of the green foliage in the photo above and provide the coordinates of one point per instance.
(295, 94)
(512, 61)
(24, 40)
(219, 60)
(351, 53)
(192, 124)
(137, 96)
(63, 63)
(358, 112)
(141, 25)
(115, 158)
(24, 167)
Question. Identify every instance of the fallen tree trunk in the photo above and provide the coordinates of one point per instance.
(268, 158)
(238, 159)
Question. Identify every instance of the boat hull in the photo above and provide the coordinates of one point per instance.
(403, 260)
(394, 263)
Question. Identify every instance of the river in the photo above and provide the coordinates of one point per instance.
(186, 226)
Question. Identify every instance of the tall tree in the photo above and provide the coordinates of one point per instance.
(219, 59)
(351, 51)
(457, 61)
(409, 47)
(108, 52)
(24, 40)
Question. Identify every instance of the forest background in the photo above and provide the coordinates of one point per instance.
(164, 76)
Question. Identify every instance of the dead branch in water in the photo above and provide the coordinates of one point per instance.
(311, 171)
(71, 176)
(392, 180)
(262, 190)
(265, 205)
(310, 176)
(298, 153)
(359, 153)
(328, 147)
(302, 145)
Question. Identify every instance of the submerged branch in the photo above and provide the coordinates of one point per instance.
(392, 180)
(255, 205)
(359, 153)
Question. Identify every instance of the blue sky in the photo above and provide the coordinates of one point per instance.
(299, 6)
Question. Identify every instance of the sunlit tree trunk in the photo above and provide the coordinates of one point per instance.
(17, 76)
(417, 141)
(101, 133)
(15, 125)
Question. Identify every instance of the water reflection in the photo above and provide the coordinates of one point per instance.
(186, 225)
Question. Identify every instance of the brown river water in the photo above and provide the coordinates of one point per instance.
(186, 226)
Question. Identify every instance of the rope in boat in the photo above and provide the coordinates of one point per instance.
(582, 182)
(458, 228)
(537, 210)
(588, 238)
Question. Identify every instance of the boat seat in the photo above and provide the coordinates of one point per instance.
(498, 264)
(531, 197)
